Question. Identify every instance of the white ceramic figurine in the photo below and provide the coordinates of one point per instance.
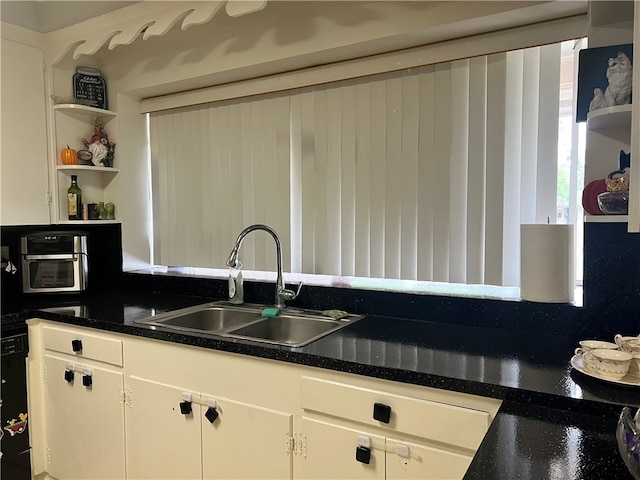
(619, 74)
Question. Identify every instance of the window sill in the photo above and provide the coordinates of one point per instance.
(490, 292)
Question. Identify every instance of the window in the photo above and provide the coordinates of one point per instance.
(571, 148)
(422, 174)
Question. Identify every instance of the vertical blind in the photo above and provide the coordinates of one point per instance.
(422, 174)
(216, 170)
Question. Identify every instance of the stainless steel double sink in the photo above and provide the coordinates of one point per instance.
(291, 327)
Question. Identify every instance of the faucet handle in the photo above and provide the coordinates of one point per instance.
(287, 294)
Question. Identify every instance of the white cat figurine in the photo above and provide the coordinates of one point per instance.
(619, 74)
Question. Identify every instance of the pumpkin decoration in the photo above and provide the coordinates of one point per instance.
(69, 156)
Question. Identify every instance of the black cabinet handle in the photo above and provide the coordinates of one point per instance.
(382, 412)
(68, 375)
(87, 380)
(211, 414)
(363, 454)
(185, 408)
(76, 345)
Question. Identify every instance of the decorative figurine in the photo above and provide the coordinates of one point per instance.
(602, 190)
(99, 146)
(618, 92)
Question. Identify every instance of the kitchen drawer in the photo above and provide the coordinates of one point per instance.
(87, 346)
(437, 421)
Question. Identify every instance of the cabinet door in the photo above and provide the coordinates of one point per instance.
(73, 449)
(245, 441)
(162, 442)
(407, 460)
(329, 452)
(25, 177)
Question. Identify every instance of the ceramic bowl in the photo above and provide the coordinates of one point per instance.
(634, 366)
(628, 344)
(588, 345)
(609, 364)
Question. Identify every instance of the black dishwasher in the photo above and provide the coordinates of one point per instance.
(15, 460)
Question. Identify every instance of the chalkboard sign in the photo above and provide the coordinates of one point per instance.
(89, 85)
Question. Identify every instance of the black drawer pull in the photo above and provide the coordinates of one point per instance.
(382, 412)
(87, 380)
(76, 345)
(68, 375)
(185, 408)
(363, 454)
(211, 414)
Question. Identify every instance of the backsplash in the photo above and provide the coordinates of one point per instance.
(611, 281)
(104, 251)
(611, 288)
(519, 315)
(611, 295)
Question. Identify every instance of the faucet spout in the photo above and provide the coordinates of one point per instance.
(234, 261)
(282, 293)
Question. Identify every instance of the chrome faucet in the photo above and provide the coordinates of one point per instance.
(282, 293)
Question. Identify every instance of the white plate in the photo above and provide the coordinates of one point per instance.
(631, 379)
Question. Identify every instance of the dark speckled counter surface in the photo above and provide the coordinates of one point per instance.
(554, 422)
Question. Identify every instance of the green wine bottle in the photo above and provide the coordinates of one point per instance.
(74, 200)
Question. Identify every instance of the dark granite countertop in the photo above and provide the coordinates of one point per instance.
(554, 422)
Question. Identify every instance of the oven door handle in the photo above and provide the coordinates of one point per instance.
(53, 256)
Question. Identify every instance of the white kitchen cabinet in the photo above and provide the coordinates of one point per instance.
(608, 132)
(245, 441)
(82, 420)
(176, 433)
(407, 460)
(24, 171)
(162, 442)
(73, 123)
(215, 435)
(75, 387)
(612, 129)
(330, 452)
(373, 433)
(247, 417)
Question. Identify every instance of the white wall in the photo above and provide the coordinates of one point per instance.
(132, 185)
(292, 35)
(284, 36)
(24, 171)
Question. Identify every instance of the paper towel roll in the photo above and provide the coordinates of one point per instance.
(547, 272)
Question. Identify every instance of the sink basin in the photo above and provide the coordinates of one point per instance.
(209, 318)
(288, 330)
(292, 327)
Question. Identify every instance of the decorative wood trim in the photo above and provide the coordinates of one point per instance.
(149, 19)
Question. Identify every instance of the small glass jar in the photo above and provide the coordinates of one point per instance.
(628, 436)
(614, 203)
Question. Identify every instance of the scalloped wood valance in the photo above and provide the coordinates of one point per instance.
(148, 19)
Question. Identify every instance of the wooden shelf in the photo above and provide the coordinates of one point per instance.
(83, 110)
(609, 117)
(87, 222)
(87, 168)
(72, 122)
(606, 218)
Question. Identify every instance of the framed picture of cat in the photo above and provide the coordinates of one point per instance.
(604, 78)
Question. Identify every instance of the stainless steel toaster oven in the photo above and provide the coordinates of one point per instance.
(54, 262)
